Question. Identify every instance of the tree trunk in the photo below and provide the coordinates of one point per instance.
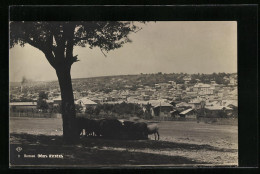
(70, 135)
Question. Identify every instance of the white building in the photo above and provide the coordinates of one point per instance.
(203, 89)
(85, 102)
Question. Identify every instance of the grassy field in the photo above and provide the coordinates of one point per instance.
(181, 144)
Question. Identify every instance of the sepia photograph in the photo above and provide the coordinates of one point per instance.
(123, 93)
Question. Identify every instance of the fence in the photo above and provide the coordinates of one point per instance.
(173, 119)
(35, 114)
(222, 121)
(214, 120)
(119, 116)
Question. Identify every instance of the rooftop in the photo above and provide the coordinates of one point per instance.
(85, 101)
(216, 107)
(23, 104)
(186, 111)
(201, 85)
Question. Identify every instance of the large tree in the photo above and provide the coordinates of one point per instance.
(57, 40)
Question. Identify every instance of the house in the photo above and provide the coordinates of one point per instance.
(149, 92)
(228, 103)
(112, 102)
(23, 106)
(212, 103)
(145, 97)
(174, 113)
(213, 82)
(97, 100)
(230, 95)
(57, 101)
(203, 89)
(76, 95)
(85, 103)
(159, 107)
(157, 86)
(162, 109)
(173, 83)
(50, 102)
(217, 111)
(183, 105)
(173, 103)
(188, 112)
(232, 81)
(191, 94)
(217, 108)
(179, 86)
(187, 79)
(197, 104)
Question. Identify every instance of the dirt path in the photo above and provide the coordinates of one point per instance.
(200, 156)
(190, 142)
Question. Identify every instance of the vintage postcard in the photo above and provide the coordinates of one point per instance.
(123, 93)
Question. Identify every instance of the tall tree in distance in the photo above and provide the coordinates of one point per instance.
(57, 41)
(41, 102)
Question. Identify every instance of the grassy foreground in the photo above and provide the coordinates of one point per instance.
(93, 151)
(181, 144)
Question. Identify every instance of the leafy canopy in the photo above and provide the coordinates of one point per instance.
(57, 39)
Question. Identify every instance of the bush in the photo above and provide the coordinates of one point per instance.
(116, 109)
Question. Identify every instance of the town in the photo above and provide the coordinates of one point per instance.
(175, 95)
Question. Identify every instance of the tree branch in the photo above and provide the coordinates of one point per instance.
(138, 30)
(77, 39)
(103, 52)
(69, 35)
(49, 56)
(48, 53)
(34, 44)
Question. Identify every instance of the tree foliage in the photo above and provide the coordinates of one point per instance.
(119, 108)
(43, 95)
(148, 113)
(41, 102)
(57, 39)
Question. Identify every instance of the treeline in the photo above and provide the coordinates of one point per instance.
(120, 109)
(133, 82)
(219, 78)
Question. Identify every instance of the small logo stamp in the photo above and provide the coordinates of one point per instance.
(18, 149)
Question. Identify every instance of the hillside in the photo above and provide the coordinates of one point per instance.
(122, 82)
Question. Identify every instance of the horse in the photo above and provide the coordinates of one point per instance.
(153, 129)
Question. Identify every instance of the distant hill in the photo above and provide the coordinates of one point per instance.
(14, 84)
(132, 82)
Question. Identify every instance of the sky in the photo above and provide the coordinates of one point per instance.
(167, 47)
